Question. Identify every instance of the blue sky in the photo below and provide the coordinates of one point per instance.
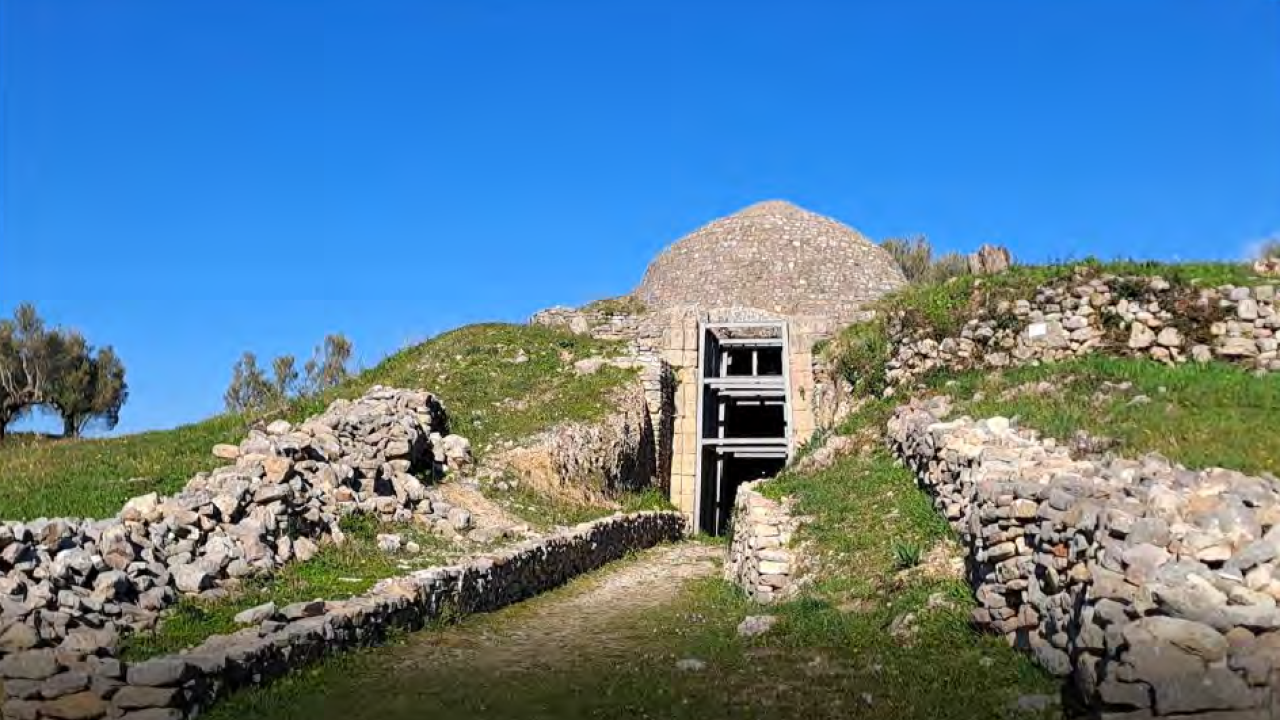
(188, 180)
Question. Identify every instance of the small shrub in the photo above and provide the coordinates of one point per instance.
(906, 555)
(915, 257)
(815, 441)
(860, 354)
(951, 265)
(360, 526)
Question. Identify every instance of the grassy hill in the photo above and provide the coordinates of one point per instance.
(491, 394)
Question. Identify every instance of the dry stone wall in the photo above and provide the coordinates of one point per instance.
(1153, 587)
(73, 681)
(762, 560)
(1139, 316)
(76, 582)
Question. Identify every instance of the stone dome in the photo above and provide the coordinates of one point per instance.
(776, 257)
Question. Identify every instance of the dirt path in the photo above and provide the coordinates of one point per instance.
(589, 620)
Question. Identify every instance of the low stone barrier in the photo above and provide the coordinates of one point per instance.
(1153, 587)
(71, 681)
(761, 560)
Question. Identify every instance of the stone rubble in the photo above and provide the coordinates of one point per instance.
(1140, 316)
(81, 582)
(1153, 587)
(754, 625)
(88, 683)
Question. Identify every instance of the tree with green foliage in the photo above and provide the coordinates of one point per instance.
(27, 359)
(86, 387)
(249, 391)
(57, 369)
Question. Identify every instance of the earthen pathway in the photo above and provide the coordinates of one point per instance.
(586, 621)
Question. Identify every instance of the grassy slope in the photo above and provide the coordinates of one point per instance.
(1215, 415)
(488, 398)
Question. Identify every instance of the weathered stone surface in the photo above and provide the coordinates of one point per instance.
(738, 261)
(80, 706)
(1141, 337)
(160, 672)
(29, 665)
(1191, 637)
(298, 610)
(256, 614)
(191, 578)
(753, 625)
(64, 684)
(133, 697)
(760, 560)
(1153, 585)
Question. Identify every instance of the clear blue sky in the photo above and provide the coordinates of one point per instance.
(188, 180)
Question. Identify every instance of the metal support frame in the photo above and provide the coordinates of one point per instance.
(753, 387)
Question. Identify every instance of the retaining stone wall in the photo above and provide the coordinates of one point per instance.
(761, 560)
(74, 682)
(1153, 587)
(1139, 316)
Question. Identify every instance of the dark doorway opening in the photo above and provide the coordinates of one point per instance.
(722, 475)
(755, 419)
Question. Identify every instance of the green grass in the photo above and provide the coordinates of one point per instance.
(1213, 415)
(489, 398)
(335, 573)
(544, 512)
(93, 478)
(831, 655)
(816, 663)
(620, 305)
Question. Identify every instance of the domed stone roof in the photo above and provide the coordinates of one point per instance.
(772, 256)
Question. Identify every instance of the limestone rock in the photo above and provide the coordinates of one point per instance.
(754, 625)
(256, 615)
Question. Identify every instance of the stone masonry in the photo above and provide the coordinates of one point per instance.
(761, 558)
(85, 681)
(1154, 588)
(84, 582)
(1138, 316)
(772, 262)
(775, 257)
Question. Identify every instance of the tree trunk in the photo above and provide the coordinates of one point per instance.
(70, 428)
